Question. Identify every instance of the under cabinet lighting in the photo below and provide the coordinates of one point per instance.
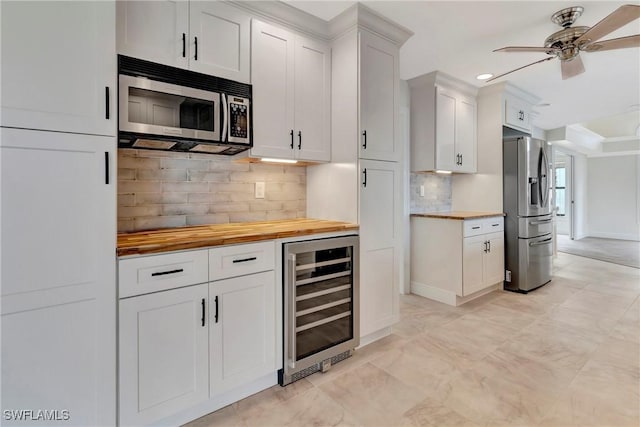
(484, 76)
(269, 160)
(444, 172)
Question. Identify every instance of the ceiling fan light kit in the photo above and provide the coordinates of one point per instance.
(567, 43)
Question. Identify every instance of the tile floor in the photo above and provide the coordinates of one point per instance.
(567, 354)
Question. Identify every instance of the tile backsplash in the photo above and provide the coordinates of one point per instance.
(437, 192)
(158, 189)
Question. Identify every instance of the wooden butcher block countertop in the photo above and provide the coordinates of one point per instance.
(460, 215)
(173, 239)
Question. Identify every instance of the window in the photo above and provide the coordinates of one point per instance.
(561, 190)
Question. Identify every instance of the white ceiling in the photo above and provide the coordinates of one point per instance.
(458, 38)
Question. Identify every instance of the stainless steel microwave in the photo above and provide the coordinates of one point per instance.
(166, 108)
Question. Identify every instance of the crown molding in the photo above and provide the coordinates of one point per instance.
(447, 81)
(362, 17)
(287, 16)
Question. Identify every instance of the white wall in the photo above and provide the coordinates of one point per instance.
(580, 196)
(613, 197)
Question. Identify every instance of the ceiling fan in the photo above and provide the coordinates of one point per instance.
(567, 43)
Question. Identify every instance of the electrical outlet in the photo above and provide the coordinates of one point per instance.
(260, 190)
(422, 191)
(507, 276)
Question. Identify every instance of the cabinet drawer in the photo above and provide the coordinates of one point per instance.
(154, 273)
(473, 227)
(493, 224)
(238, 260)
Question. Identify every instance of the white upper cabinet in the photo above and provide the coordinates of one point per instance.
(59, 66)
(219, 40)
(379, 88)
(154, 31)
(517, 113)
(291, 95)
(443, 124)
(207, 37)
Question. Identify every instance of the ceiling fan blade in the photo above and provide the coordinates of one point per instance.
(518, 69)
(618, 18)
(619, 43)
(571, 68)
(548, 50)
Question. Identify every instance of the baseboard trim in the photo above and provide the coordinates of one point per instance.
(374, 336)
(618, 236)
(447, 297)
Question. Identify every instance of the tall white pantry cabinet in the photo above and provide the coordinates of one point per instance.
(58, 211)
(363, 181)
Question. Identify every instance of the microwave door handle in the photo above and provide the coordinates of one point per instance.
(225, 108)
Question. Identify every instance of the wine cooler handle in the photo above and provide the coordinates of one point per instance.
(291, 327)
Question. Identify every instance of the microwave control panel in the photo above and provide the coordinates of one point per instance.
(239, 119)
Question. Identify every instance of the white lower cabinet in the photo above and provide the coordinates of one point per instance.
(483, 262)
(454, 260)
(164, 354)
(210, 330)
(242, 335)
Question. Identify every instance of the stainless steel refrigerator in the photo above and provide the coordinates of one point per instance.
(527, 173)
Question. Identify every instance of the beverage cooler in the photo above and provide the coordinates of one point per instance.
(321, 305)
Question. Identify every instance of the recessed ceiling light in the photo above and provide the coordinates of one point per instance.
(484, 76)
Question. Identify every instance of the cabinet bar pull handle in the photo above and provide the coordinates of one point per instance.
(460, 159)
(495, 225)
(364, 172)
(364, 144)
(106, 102)
(106, 167)
(216, 316)
(184, 45)
(475, 228)
(195, 56)
(485, 247)
(489, 243)
(164, 273)
(299, 140)
(245, 259)
(291, 133)
(202, 312)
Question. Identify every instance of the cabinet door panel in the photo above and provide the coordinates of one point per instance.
(379, 245)
(163, 354)
(223, 40)
(312, 99)
(379, 87)
(472, 264)
(494, 260)
(57, 60)
(466, 135)
(153, 30)
(58, 274)
(273, 97)
(243, 339)
(446, 154)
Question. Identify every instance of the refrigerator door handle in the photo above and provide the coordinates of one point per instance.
(543, 173)
(541, 242)
(542, 221)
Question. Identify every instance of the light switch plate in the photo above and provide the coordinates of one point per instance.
(260, 190)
